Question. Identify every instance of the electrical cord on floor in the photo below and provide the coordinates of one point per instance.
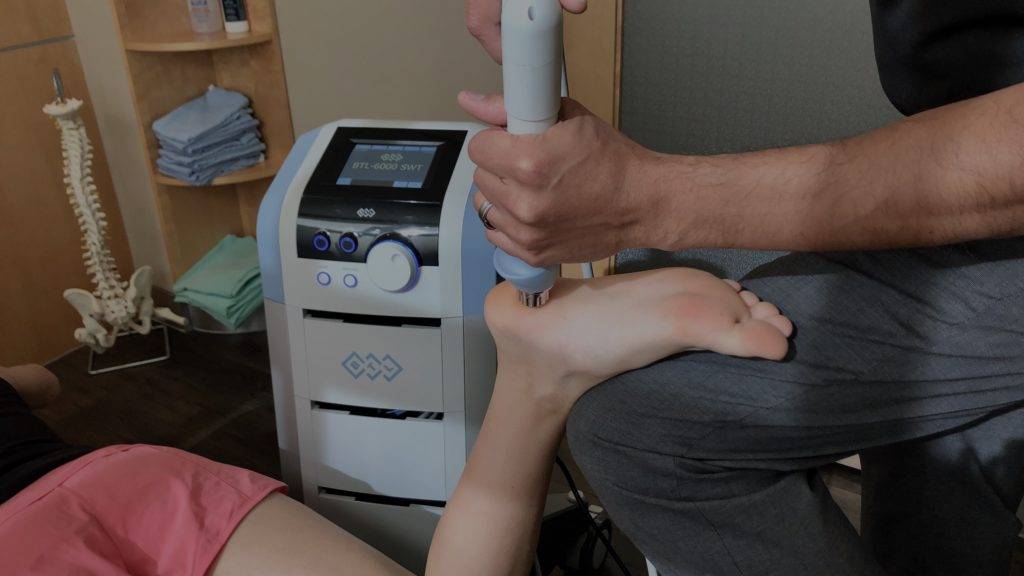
(582, 505)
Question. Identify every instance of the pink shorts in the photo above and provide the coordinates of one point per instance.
(128, 510)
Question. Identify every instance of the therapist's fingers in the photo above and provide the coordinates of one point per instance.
(508, 156)
(502, 240)
(487, 108)
(499, 218)
(493, 188)
(483, 18)
(575, 6)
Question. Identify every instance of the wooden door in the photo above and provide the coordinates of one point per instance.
(593, 58)
(40, 254)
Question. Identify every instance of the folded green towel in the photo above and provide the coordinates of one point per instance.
(224, 270)
(225, 282)
(232, 312)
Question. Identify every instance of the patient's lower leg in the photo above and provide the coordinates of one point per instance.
(36, 385)
(281, 536)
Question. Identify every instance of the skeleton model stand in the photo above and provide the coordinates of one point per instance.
(114, 307)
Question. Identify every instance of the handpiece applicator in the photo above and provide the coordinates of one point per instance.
(531, 46)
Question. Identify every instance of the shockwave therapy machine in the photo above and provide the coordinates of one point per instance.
(375, 268)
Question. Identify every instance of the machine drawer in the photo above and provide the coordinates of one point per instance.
(382, 456)
(396, 367)
(403, 533)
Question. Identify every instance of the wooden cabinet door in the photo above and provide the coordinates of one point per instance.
(593, 59)
(40, 252)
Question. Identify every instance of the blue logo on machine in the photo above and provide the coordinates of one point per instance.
(372, 367)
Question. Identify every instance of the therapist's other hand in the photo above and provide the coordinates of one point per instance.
(483, 18)
(571, 194)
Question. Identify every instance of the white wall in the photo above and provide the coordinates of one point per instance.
(379, 59)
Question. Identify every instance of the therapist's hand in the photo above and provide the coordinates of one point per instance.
(483, 18)
(572, 194)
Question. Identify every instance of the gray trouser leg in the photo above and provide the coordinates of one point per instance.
(970, 484)
(707, 462)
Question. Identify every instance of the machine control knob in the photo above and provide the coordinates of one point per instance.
(393, 266)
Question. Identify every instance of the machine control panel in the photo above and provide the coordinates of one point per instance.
(379, 186)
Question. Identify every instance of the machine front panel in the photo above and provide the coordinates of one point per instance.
(377, 456)
(374, 184)
(394, 367)
(346, 287)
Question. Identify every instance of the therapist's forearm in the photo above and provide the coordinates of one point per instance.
(491, 524)
(952, 174)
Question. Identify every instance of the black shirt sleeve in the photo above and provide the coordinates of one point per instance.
(935, 52)
(28, 448)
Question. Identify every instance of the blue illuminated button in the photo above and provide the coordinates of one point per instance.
(322, 241)
(350, 280)
(348, 243)
(323, 279)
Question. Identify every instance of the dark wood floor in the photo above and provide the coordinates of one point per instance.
(214, 398)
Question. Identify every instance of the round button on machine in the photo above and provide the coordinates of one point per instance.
(323, 278)
(393, 266)
(321, 241)
(350, 280)
(348, 243)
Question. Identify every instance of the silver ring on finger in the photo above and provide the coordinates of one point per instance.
(485, 208)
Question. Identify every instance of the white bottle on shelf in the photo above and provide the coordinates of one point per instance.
(205, 16)
(236, 20)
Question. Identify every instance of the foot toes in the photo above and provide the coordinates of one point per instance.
(784, 325)
(749, 297)
(763, 310)
(756, 339)
(734, 284)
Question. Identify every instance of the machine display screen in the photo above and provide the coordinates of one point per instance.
(384, 174)
(388, 164)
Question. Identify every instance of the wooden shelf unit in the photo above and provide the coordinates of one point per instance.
(260, 171)
(169, 65)
(191, 42)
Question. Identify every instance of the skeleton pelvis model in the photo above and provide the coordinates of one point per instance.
(113, 307)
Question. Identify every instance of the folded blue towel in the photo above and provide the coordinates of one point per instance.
(207, 137)
(248, 145)
(206, 176)
(189, 122)
(235, 129)
(241, 124)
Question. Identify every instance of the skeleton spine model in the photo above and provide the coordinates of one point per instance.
(113, 307)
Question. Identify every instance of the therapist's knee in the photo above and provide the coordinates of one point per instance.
(614, 436)
(598, 419)
(657, 422)
(646, 410)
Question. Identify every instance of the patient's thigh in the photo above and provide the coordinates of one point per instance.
(281, 536)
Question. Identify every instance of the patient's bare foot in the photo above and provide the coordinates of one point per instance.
(36, 385)
(594, 329)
